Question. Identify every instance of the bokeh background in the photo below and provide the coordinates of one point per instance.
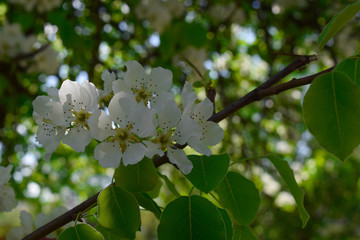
(238, 44)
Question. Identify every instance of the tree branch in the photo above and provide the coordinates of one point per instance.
(264, 90)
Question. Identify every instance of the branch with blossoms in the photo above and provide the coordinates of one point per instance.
(143, 120)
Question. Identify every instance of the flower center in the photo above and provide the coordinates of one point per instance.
(81, 118)
(123, 136)
(164, 139)
(142, 94)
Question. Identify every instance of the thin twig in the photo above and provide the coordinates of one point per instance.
(31, 54)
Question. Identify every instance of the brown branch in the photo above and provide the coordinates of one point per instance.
(264, 90)
(31, 54)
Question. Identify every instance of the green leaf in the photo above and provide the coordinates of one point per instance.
(107, 234)
(350, 67)
(240, 196)
(140, 177)
(169, 185)
(155, 192)
(288, 175)
(243, 232)
(81, 231)
(119, 211)
(337, 23)
(332, 111)
(227, 223)
(191, 217)
(208, 172)
(148, 203)
(198, 84)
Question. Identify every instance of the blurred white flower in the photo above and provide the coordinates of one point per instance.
(26, 227)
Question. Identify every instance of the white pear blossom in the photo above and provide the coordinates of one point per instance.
(171, 131)
(132, 122)
(153, 87)
(7, 194)
(211, 132)
(49, 115)
(26, 227)
(79, 102)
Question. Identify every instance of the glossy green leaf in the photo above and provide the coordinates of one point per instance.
(81, 231)
(243, 232)
(191, 217)
(107, 234)
(155, 192)
(148, 203)
(351, 67)
(288, 175)
(208, 172)
(140, 177)
(337, 23)
(119, 211)
(169, 185)
(227, 223)
(332, 111)
(240, 196)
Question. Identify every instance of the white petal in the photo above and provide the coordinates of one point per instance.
(195, 143)
(178, 157)
(69, 87)
(48, 109)
(53, 93)
(77, 138)
(188, 95)
(159, 102)
(5, 174)
(100, 125)
(120, 107)
(7, 198)
(120, 86)
(68, 106)
(169, 115)
(143, 120)
(160, 80)
(41, 105)
(93, 93)
(108, 154)
(212, 133)
(134, 153)
(49, 136)
(108, 78)
(202, 111)
(135, 75)
(152, 149)
(185, 129)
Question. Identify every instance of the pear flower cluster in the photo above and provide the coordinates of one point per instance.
(141, 120)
